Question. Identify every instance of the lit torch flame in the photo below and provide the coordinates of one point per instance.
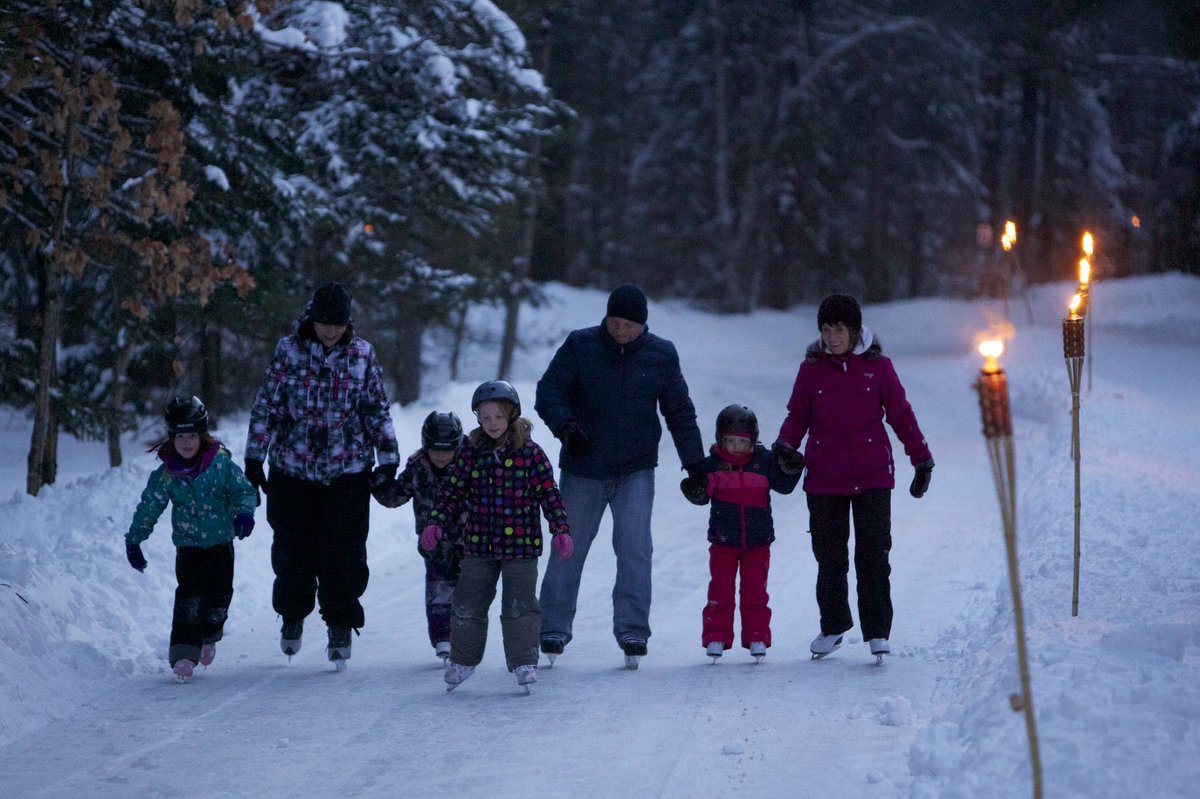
(991, 350)
(1076, 301)
(1085, 271)
(1088, 243)
(1010, 235)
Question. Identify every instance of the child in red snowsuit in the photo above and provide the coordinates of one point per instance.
(738, 477)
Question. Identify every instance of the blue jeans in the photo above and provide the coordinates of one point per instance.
(630, 500)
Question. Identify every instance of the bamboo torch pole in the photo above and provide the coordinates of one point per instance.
(1073, 348)
(997, 431)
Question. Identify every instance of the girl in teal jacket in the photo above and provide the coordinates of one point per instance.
(212, 501)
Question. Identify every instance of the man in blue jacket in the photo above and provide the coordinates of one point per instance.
(601, 396)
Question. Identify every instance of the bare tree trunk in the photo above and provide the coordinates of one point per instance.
(729, 265)
(521, 264)
(117, 399)
(211, 378)
(43, 446)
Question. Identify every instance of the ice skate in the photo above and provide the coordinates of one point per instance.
(338, 649)
(552, 648)
(208, 654)
(442, 650)
(758, 651)
(823, 645)
(526, 676)
(714, 650)
(289, 637)
(183, 670)
(635, 650)
(456, 674)
(879, 648)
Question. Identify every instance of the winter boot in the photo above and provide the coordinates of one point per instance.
(715, 650)
(289, 636)
(183, 670)
(339, 646)
(526, 676)
(879, 648)
(208, 653)
(552, 648)
(758, 651)
(442, 650)
(456, 674)
(824, 644)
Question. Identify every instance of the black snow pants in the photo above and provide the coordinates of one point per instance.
(202, 596)
(829, 523)
(319, 549)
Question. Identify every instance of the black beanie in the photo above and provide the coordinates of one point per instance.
(840, 308)
(627, 301)
(331, 305)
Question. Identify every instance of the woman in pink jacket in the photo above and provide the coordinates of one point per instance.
(844, 392)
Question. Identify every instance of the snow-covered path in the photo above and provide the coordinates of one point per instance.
(89, 707)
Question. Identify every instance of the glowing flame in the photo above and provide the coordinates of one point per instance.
(1136, 221)
(1076, 301)
(1085, 271)
(369, 229)
(1088, 244)
(991, 350)
(1010, 231)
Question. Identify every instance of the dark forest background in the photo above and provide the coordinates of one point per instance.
(176, 177)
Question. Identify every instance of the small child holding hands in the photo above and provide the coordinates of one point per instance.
(424, 476)
(501, 479)
(739, 475)
(212, 501)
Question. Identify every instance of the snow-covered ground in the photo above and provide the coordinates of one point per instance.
(88, 706)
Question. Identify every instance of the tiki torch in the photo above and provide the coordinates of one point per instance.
(1073, 349)
(997, 431)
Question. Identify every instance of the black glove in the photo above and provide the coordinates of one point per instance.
(695, 490)
(256, 475)
(790, 459)
(136, 559)
(383, 474)
(920, 483)
(575, 439)
(243, 525)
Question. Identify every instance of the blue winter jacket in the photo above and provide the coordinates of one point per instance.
(615, 394)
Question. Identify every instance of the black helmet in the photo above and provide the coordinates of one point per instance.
(441, 432)
(186, 415)
(496, 390)
(737, 420)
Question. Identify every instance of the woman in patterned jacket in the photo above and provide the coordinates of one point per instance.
(322, 418)
(501, 480)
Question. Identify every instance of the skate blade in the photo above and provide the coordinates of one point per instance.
(182, 680)
(879, 660)
(715, 658)
(758, 659)
(631, 662)
(340, 665)
(527, 691)
(551, 659)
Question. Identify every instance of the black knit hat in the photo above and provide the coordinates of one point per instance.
(331, 305)
(840, 308)
(627, 301)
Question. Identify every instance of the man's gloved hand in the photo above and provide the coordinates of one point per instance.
(430, 537)
(256, 475)
(136, 559)
(243, 525)
(790, 459)
(383, 474)
(695, 490)
(575, 439)
(920, 483)
(564, 545)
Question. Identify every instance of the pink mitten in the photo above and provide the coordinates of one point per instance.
(430, 536)
(564, 545)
